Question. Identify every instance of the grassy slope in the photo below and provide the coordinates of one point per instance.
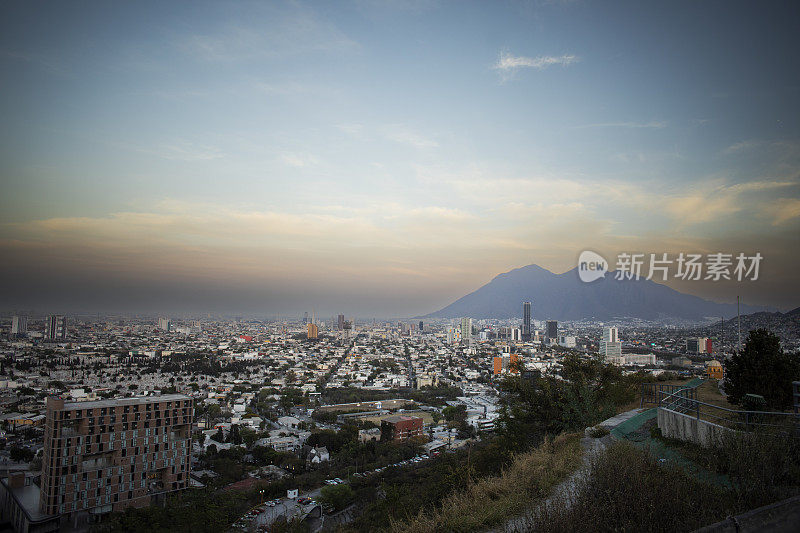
(492, 500)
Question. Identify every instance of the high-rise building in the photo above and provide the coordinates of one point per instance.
(313, 331)
(610, 346)
(55, 328)
(164, 324)
(103, 456)
(19, 326)
(341, 322)
(466, 331)
(551, 331)
(526, 321)
(420, 326)
(305, 317)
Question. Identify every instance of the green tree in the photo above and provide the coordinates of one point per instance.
(337, 496)
(762, 367)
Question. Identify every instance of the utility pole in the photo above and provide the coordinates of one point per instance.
(738, 326)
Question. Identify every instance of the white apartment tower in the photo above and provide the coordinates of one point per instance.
(610, 346)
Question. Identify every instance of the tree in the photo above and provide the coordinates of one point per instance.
(214, 410)
(762, 368)
(455, 414)
(20, 454)
(337, 496)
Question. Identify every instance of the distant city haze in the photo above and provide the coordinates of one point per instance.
(387, 158)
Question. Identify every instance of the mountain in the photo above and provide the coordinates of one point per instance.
(566, 297)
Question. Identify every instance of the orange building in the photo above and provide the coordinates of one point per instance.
(714, 370)
(313, 331)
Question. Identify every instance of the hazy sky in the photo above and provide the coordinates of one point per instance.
(386, 157)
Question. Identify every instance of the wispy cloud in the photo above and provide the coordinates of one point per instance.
(298, 160)
(508, 64)
(404, 135)
(653, 124)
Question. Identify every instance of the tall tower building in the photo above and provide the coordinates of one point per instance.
(610, 346)
(341, 322)
(164, 324)
(466, 331)
(55, 328)
(19, 326)
(526, 321)
(313, 329)
(551, 331)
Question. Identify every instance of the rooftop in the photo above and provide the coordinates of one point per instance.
(73, 405)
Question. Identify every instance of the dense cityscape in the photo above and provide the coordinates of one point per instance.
(276, 395)
(399, 266)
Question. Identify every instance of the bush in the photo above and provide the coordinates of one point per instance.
(626, 489)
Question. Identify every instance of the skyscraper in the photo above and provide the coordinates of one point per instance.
(341, 322)
(55, 328)
(164, 324)
(313, 331)
(19, 326)
(610, 346)
(552, 331)
(466, 331)
(526, 321)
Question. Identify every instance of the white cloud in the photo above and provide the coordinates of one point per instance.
(403, 135)
(509, 64)
(298, 160)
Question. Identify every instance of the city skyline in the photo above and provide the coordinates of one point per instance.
(385, 159)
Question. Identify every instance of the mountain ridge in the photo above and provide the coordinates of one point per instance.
(565, 297)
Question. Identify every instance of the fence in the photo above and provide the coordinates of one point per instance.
(651, 392)
(684, 401)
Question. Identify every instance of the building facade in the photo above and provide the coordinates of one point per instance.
(401, 427)
(526, 321)
(611, 347)
(106, 455)
(55, 328)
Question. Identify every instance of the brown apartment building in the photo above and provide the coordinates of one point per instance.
(103, 456)
(401, 427)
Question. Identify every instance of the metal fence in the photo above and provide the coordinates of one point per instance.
(685, 402)
(651, 392)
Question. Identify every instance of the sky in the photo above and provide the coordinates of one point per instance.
(383, 158)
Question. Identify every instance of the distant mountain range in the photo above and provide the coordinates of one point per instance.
(566, 297)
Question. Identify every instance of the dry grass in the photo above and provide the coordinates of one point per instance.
(493, 500)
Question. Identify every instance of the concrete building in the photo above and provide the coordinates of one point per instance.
(55, 328)
(401, 427)
(106, 455)
(466, 331)
(567, 341)
(551, 331)
(526, 321)
(164, 324)
(611, 347)
(19, 326)
(697, 345)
